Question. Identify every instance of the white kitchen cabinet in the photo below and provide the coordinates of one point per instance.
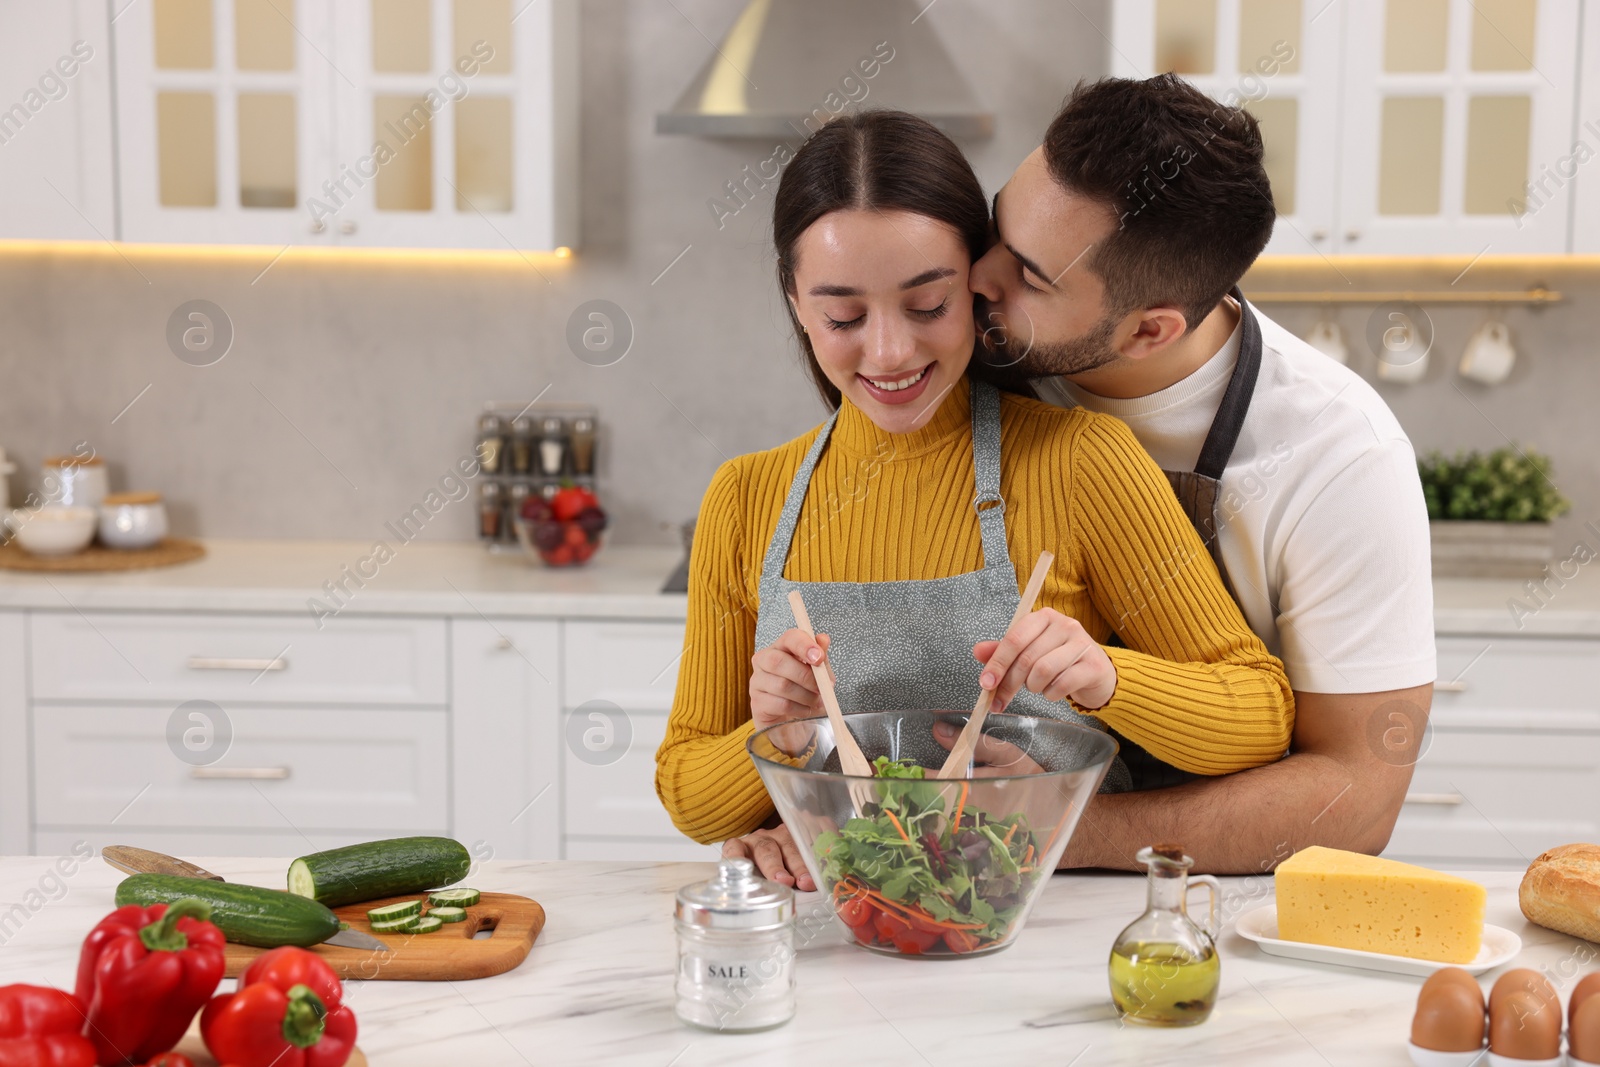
(506, 737)
(421, 123)
(137, 656)
(1577, 164)
(1511, 766)
(56, 173)
(15, 770)
(1400, 127)
(193, 845)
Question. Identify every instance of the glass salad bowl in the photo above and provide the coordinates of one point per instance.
(915, 866)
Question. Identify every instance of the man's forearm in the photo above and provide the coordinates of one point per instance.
(1243, 823)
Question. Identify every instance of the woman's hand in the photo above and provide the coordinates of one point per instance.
(1050, 654)
(775, 855)
(782, 686)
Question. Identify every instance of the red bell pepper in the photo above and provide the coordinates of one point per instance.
(288, 1012)
(143, 973)
(42, 1027)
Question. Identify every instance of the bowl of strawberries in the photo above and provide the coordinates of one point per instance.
(563, 531)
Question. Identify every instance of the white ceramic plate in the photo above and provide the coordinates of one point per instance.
(1261, 926)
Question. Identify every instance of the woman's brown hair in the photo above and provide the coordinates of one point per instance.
(881, 161)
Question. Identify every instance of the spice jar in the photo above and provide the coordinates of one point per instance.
(735, 951)
(521, 444)
(552, 447)
(583, 445)
(489, 509)
(491, 443)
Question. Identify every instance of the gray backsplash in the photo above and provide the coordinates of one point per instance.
(351, 387)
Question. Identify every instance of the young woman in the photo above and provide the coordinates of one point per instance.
(907, 518)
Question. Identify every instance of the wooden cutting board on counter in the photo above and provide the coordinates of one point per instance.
(451, 953)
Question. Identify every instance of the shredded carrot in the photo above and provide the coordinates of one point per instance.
(897, 825)
(912, 910)
(1011, 831)
(1028, 857)
(961, 806)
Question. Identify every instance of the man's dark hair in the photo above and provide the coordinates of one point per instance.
(1181, 172)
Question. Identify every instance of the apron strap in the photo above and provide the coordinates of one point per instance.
(989, 504)
(783, 536)
(1225, 428)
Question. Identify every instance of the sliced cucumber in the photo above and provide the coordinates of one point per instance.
(377, 869)
(448, 915)
(406, 909)
(454, 898)
(425, 925)
(246, 914)
(394, 924)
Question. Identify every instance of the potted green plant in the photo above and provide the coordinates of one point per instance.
(1489, 513)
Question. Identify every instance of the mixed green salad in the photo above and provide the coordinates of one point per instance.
(919, 876)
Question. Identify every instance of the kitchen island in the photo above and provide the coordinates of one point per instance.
(597, 987)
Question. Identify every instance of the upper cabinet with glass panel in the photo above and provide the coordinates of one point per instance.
(407, 123)
(1395, 126)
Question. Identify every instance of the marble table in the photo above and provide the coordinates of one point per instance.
(597, 987)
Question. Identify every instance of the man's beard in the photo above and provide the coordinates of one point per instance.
(1036, 358)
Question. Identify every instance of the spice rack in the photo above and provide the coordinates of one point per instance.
(529, 450)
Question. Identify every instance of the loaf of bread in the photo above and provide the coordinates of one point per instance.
(1561, 891)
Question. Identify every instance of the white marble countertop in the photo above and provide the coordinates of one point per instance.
(461, 578)
(597, 987)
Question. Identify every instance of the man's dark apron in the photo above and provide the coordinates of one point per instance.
(1197, 491)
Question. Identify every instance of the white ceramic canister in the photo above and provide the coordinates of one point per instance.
(132, 520)
(75, 481)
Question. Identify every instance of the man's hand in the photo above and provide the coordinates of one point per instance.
(1050, 654)
(782, 686)
(775, 855)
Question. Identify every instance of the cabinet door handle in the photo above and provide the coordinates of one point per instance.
(232, 663)
(257, 774)
(1449, 687)
(1440, 800)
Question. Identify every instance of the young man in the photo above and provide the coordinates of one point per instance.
(1119, 246)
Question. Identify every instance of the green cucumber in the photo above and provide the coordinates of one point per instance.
(454, 898)
(424, 925)
(393, 924)
(246, 914)
(406, 909)
(377, 869)
(448, 915)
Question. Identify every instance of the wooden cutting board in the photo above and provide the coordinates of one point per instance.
(448, 954)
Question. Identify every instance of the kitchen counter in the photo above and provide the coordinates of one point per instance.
(597, 987)
(460, 578)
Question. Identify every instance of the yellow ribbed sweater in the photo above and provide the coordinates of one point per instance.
(1195, 686)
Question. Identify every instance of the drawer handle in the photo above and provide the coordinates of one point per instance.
(1449, 687)
(259, 774)
(226, 663)
(1442, 800)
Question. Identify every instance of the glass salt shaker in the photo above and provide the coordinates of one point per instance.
(1164, 968)
(735, 951)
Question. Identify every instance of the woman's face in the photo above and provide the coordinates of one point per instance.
(884, 301)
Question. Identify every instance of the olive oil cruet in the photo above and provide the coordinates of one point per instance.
(1164, 968)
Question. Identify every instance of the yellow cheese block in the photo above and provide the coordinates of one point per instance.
(1348, 900)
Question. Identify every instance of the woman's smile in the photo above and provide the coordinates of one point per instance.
(901, 388)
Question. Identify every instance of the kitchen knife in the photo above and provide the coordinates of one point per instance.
(142, 861)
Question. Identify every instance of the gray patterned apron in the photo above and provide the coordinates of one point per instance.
(1197, 493)
(907, 645)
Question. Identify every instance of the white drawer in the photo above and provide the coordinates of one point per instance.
(194, 846)
(631, 664)
(618, 799)
(638, 849)
(1499, 797)
(1545, 683)
(238, 658)
(305, 769)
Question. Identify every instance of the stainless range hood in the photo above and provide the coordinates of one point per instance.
(787, 66)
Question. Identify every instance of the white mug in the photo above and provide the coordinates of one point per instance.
(1327, 338)
(1489, 355)
(1404, 357)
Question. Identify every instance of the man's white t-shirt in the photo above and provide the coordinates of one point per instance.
(1321, 523)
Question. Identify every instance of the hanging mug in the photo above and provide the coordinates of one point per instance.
(1489, 355)
(1327, 338)
(1400, 334)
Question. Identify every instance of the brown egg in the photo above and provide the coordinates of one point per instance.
(1524, 1026)
(1588, 987)
(1583, 1039)
(1522, 980)
(1449, 1018)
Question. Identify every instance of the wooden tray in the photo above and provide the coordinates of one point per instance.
(194, 1047)
(447, 954)
(100, 558)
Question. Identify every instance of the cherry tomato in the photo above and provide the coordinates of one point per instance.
(960, 940)
(855, 911)
(905, 938)
(569, 502)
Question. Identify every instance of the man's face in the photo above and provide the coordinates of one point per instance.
(1040, 306)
